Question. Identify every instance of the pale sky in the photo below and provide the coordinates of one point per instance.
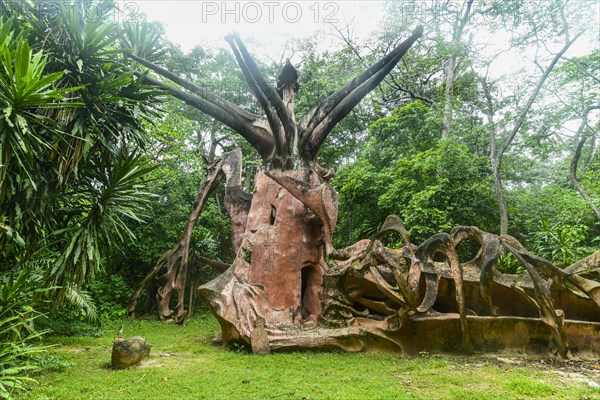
(268, 23)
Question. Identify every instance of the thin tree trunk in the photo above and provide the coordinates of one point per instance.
(497, 153)
(502, 208)
(451, 70)
(575, 160)
(495, 160)
(191, 297)
(448, 109)
(213, 147)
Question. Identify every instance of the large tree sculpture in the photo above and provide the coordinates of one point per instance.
(283, 238)
(289, 287)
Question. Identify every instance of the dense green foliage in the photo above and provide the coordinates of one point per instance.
(73, 123)
(20, 294)
(71, 167)
(98, 171)
(405, 169)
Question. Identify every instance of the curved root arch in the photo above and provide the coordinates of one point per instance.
(418, 266)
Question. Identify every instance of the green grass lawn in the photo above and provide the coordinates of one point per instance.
(183, 364)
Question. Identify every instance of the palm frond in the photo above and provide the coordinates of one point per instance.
(97, 213)
(83, 300)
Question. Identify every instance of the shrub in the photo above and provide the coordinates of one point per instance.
(18, 337)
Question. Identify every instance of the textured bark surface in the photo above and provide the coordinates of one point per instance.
(278, 271)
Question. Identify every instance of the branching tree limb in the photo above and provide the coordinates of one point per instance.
(575, 160)
(497, 150)
(256, 135)
(525, 110)
(451, 67)
(274, 121)
(316, 125)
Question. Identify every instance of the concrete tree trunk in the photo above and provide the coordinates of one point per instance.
(283, 230)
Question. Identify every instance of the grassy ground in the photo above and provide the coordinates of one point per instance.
(184, 364)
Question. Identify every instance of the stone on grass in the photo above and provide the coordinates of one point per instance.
(129, 352)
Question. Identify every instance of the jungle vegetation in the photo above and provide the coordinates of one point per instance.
(98, 170)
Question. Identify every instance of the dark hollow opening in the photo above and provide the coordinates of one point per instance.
(439, 257)
(305, 275)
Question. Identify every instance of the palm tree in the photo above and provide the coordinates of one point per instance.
(72, 134)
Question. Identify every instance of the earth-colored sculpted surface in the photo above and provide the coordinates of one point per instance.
(278, 272)
(129, 352)
(418, 298)
(288, 288)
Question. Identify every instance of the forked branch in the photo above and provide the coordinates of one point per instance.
(315, 126)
